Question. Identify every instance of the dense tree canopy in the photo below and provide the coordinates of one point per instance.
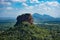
(26, 31)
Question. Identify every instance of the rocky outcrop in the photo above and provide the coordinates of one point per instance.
(24, 18)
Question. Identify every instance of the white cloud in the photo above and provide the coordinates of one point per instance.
(1, 0)
(19, 0)
(9, 8)
(34, 1)
(24, 4)
(4, 2)
(15, 0)
(30, 7)
(54, 3)
(49, 8)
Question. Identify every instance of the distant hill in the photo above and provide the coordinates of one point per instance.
(36, 16)
(7, 19)
(41, 18)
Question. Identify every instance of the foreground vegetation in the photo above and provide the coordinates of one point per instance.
(25, 31)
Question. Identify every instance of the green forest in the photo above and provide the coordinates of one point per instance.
(26, 31)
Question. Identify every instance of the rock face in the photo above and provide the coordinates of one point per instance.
(24, 18)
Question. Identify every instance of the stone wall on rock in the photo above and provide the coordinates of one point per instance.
(24, 17)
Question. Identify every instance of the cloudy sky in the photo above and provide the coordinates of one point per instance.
(12, 8)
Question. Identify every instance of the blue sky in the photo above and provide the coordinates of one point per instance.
(13, 8)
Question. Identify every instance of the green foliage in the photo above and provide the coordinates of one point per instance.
(26, 31)
(53, 29)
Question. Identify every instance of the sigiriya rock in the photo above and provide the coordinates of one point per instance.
(24, 17)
